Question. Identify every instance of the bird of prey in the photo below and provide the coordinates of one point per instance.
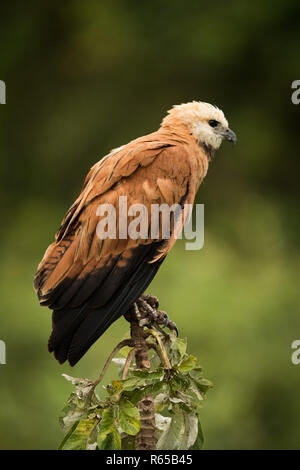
(89, 282)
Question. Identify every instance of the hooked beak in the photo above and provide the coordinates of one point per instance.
(230, 136)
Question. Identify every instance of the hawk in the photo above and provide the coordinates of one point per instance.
(89, 282)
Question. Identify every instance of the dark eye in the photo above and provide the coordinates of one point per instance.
(213, 123)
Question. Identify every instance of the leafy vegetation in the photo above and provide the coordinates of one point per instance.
(113, 422)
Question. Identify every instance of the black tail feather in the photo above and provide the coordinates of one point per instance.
(76, 329)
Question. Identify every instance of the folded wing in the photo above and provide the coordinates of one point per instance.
(89, 282)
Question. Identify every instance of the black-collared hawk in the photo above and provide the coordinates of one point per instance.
(89, 282)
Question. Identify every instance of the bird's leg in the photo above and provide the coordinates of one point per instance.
(147, 305)
(149, 314)
(145, 312)
(136, 313)
(151, 300)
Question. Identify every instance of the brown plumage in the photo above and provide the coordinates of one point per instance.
(88, 282)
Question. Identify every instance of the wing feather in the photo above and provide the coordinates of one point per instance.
(90, 282)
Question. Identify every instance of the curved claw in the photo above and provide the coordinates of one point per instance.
(162, 318)
(172, 326)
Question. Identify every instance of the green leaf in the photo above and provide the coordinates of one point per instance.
(139, 373)
(80, 436)
(115, 388)
(129, 417)
(170, 438)
(187, 364)
(180, 345)
(178, 432)
(73, 417)
(196, 373)
(132, 383)
(190, 431)
(154, 359)
(92, 439)
(111, 442)
(178, 382)
(134, 396)
(71, 430)
(155, 376)
(149, 377)
(107, 422)
(109, 437)
(198, 444)
(71, 414)
(161, 401)
(203, 385)
(177, 349)
(155, 388)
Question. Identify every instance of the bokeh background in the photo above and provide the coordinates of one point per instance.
(84, 77)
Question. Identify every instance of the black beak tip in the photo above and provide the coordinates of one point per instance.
(230, 136)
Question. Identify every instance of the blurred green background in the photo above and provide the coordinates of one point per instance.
(84, 77)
